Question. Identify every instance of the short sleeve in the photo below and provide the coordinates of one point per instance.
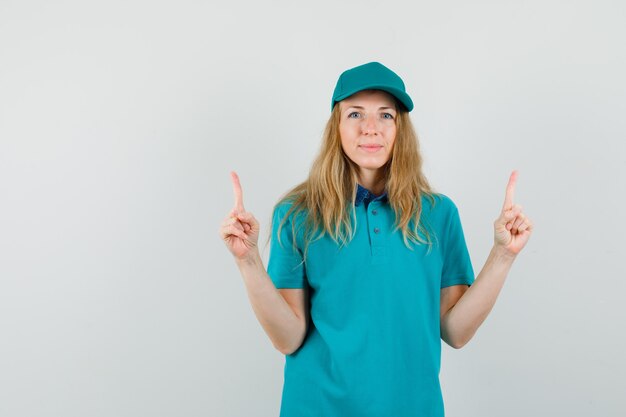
(457, 265)
(285, 266)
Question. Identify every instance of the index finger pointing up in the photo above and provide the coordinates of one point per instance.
(510, 192)
(238, 192)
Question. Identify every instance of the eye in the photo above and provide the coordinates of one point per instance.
(354, 115)
(387, 116)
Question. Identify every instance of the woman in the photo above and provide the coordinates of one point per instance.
(368, 266)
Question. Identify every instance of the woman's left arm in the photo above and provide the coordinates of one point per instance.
(470, 308)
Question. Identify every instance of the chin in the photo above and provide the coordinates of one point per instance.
(372, 164)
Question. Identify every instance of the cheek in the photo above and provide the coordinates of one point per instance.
(342, 137)
(345, 144)
(347, 135)
(343, 132)
(391, 135)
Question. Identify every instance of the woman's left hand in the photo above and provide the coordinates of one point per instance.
(512, 228)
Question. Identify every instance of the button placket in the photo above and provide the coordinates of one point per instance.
(376, 223)
(374, 212)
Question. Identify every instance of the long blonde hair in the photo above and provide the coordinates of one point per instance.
(327, 196)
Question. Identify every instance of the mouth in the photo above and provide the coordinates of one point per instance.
(371, 148)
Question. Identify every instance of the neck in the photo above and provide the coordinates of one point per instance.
(372, 182)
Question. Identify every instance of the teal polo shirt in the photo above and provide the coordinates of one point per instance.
(373, 343)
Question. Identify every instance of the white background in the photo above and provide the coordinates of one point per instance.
(120, 122)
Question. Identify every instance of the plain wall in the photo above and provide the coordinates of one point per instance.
(120, 122)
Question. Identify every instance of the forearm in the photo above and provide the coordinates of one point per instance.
(462, 321)
(285, 329)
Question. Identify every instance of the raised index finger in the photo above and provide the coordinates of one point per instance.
(238, 192)
(510, 192)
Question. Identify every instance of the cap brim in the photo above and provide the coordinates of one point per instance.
(400, 95)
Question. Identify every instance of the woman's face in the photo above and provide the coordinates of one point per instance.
(368, 129)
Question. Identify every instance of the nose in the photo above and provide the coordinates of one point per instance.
(369, 125)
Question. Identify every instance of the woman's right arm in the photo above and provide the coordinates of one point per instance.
(282, 313)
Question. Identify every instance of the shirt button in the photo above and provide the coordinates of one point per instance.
(376, 230)
(374, 212)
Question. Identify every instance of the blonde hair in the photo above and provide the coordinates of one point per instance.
(327, 196)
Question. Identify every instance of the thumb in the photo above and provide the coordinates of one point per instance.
(509, 214)
(246, 215)
(506, 217)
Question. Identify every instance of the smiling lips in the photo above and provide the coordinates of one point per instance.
(370, 147)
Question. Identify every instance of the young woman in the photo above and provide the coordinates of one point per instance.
(368, 267)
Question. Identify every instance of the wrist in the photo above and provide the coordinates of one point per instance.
(500, 252)
(253, 258)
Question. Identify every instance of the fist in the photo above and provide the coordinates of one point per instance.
(239, 230)
(512, 228)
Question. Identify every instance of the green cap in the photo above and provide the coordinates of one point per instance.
(371, 76)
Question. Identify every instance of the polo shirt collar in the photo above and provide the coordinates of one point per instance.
(363, 195)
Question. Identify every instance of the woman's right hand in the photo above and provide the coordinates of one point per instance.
(239, 230)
